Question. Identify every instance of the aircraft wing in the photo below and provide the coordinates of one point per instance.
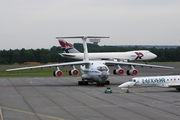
(51, 65)
(136, 64)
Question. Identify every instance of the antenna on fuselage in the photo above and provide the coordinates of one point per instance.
(86, 58)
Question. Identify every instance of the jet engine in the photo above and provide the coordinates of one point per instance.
(74, 72)
(118, 71)
(58, 73)
(132, 72)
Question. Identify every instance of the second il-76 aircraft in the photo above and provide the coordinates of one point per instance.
(92, 70)
(136, 55)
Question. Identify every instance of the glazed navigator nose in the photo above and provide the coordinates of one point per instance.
(104, 75)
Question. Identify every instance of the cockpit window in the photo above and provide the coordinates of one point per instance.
(102, 68)
(132, 80)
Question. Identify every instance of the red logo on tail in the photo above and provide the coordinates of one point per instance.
(65, 44)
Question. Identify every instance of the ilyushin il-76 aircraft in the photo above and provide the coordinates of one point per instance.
(92, 70)
(172, 81)
(136, 55)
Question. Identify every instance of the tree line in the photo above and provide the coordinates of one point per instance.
(52, 55)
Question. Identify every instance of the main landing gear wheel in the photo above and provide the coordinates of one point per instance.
(100, 84)
(82, 82)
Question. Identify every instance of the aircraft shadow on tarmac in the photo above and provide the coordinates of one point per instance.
(153, 91)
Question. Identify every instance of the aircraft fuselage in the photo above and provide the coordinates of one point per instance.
(141, 55)
(160, 81)
(95, 72)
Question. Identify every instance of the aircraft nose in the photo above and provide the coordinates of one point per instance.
(154, 55)
(104, 75)
(125, 85)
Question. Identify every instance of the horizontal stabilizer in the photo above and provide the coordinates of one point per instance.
(83, 37)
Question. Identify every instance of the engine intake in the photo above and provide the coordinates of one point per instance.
(58, 73)
(118, 71)
(74, 72)
(132, 72)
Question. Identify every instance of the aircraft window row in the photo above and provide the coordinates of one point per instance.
(133, 55)
(172, 79)
(132, 80)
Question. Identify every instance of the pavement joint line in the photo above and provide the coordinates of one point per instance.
(1, 115)
(31, 113)
(100, 106)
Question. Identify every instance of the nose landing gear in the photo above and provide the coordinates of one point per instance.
(102, 84)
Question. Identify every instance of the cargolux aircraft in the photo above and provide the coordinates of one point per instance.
(137, 55)
(172, 81)
(92, 70)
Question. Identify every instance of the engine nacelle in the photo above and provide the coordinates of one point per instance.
(132, 72)
(118, 71)
(74, 72)
(58, 73)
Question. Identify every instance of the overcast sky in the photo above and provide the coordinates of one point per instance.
(35, 23)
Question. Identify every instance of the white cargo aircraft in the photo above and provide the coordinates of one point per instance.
(172, 81)
(136, 55)
(92, 71)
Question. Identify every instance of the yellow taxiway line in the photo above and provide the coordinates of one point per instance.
(31, 113)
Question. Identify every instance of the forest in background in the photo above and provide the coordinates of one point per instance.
(52, 55)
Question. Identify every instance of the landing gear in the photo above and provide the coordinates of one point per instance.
(100, 84)
(178, 89)
(82, 82)
(127, 91)
(107, 82)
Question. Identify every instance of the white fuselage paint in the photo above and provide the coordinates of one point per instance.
(95, 71)
(160, 81)
(120, 56)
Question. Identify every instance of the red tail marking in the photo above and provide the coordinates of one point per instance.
(64, 44)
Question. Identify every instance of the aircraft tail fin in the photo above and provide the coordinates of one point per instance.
(86, 58)
(67, 47)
